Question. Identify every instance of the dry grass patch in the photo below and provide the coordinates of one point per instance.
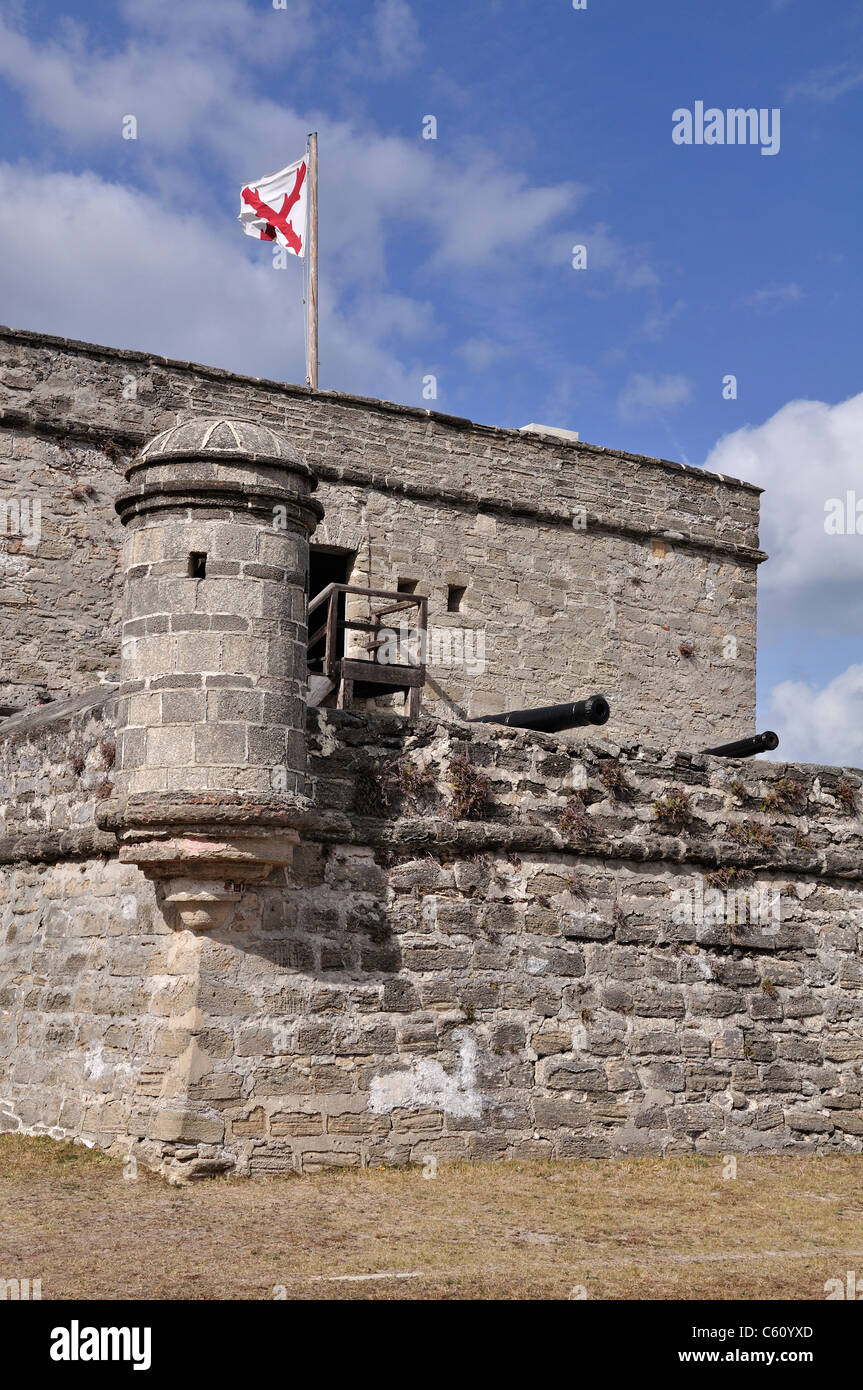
(637, 1228)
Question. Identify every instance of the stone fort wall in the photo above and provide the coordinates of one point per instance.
(477, 952)
(650, 601)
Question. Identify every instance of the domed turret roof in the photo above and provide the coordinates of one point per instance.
(218, 437)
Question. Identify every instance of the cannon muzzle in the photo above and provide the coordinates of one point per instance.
(746, 747)
(553, 719)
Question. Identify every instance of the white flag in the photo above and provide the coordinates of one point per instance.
(274, 208)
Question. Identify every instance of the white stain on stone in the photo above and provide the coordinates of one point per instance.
(282, 1035)
(128, 907)
(704, 965)
(96, 1067)
(94, 1064)
(12, 1123)
(426, 1086)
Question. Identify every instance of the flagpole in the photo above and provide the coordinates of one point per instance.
(312, 364)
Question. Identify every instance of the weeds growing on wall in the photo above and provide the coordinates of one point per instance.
(575, 823)
(371, 793)
(789, 794)
(576, 885)
(751, 834)
(846, 794)
(724, 877)
(470, 790)
(613, 776)
(673, 810)
(416, 784)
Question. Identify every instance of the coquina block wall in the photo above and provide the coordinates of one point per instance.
(480, 949)
(649, 598)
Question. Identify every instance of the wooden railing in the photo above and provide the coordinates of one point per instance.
(346, 672)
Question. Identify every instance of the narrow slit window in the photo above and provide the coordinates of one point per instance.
(454, 595)
(198, 565)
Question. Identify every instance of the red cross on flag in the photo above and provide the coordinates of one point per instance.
(274, 208)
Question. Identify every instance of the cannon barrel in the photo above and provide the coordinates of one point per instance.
(552, 719)
(747, 747)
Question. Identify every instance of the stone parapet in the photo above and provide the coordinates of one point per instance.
(488, 943)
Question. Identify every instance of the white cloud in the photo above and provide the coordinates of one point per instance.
(803, 456)
(627, 267)
(571, 389)
(257, 31)
(771, 299)
(163, 265)
(121, 269)
(384, 45)
(657, 323)
(812, 585)
(480, 354)
(473, 211)
(155, 259)
(653, 393)
(397, 35)
(821, 726)
(481, 211)
(829, 83)
(84, 96)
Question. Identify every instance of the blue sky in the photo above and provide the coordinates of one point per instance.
(453, 256)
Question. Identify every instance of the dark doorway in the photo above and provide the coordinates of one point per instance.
(327, 567)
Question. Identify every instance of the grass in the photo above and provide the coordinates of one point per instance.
(636, 1228)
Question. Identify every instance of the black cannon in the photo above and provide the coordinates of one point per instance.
(553, 719)
(746, 747)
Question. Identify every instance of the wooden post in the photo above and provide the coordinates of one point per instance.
(415, 693)
(331, 656)
(312, 365)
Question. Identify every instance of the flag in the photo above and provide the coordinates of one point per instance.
(274, 208)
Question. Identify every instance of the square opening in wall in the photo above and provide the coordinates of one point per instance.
(328, 566)
(198, 565)
(454, 596)
(406, 586)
